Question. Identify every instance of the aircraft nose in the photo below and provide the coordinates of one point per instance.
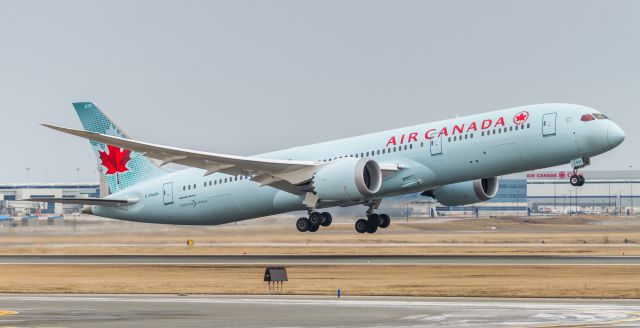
(615, 135)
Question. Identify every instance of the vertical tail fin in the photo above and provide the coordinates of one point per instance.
(120, 168)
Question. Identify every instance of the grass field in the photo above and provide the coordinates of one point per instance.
(408, 280)
(509, 236)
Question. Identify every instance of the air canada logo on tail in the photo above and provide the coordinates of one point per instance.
(115, 161)
(521, 118)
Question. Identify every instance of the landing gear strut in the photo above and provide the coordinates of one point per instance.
(314, 221)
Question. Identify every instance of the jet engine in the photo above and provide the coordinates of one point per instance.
(347, 179)
(464, 193)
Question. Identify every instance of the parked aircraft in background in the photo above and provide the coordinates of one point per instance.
(455, 161)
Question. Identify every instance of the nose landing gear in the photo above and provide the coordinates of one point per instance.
(576, 179)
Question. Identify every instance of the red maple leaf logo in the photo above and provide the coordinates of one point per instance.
(521, 118)
(116, 160)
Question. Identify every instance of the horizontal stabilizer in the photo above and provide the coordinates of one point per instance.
(83, 201)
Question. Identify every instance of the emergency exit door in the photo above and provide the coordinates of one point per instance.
(549, 124)
(167, 193)
(436, 146)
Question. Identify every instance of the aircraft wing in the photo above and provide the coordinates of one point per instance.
(82, 201)
(265, 171)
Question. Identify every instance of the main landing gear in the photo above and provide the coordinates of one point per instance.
(372, 223)
(314, 221)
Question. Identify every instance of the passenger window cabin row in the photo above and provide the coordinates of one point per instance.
(491, 132)
(374, 152)
(217, 182)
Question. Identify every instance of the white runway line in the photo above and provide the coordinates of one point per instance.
(398, 312)
(381, 303)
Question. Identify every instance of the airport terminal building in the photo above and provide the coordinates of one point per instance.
(549, 192)
(11, 194)
(612, 192)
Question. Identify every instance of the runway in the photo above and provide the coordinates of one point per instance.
(287, 311)
(321, 260)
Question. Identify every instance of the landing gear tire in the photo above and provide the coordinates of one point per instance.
(314, 228)
(326, 219)
(577, 180)
(303, 224)
(385, 221)
(361, 226)
(315, 218)
(372, 227)
(373, 222)
(574, 180)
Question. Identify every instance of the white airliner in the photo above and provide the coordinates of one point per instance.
(455, 161)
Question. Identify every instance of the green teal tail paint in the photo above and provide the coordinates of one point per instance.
(120, 167)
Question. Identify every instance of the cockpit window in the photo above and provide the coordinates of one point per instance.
(600, 116)
(587, 118)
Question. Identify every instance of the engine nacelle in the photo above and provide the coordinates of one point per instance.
(468, 192)
(348, 179)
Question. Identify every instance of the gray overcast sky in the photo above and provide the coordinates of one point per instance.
(244, 77)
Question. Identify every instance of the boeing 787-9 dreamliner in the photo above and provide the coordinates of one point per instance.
(455, 161)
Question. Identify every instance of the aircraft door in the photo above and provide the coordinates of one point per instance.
(436, 146)
(549, 124)
(167, 193)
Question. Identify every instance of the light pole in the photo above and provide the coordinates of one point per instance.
(609, 198)
(555, 206)
(630, 168)
(619, 202)
(28, 174)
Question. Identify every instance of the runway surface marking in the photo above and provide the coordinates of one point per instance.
(633, 317)
(6, 312)
(320, 311)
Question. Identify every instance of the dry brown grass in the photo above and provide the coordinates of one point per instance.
(506, 236)
(506, 249)
(436, 280)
